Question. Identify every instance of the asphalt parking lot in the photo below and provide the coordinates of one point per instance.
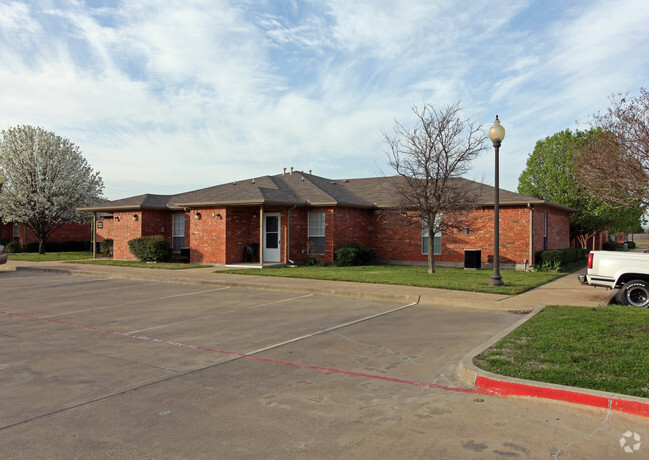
(100, 368)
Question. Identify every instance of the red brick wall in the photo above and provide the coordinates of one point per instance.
(124, 228)
(66, 232)
(514, 235)
(206, 235)
(156, 223)
(243, 229)
(7, 231)
(558, 229)
(396, 240)
(351, 225)
(106, 230)
(72, 232)
(214, 239)
(299, 233)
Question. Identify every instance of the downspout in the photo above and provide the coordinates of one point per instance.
(261, 235)
(288, 234)
(94, 234)
(531, 234)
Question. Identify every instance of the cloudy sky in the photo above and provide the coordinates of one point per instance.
(166, 96)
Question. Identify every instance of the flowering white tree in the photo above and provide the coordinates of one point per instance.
(44, 179)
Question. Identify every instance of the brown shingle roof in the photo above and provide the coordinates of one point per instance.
(302, 189)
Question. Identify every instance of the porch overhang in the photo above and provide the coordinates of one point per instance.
(549, 204)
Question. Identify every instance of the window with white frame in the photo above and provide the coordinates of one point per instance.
(437, 243)
(316, 232)
(178, 232)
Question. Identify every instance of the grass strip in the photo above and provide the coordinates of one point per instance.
(49, 257)
(599, 348)
(516, 282)
(139, 264)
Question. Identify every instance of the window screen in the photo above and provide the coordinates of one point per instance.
(317, 232)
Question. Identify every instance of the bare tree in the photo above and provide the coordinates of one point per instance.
(614, 166)
(428, 157)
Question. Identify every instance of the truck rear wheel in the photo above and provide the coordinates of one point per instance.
(635, 293)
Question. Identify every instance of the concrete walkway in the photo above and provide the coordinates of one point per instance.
(563, 291)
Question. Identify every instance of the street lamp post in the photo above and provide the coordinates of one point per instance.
(496, 134)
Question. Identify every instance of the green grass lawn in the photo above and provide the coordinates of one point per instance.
(516, 282)
(601, 348)
(86, 258)
(49, 257)
(138, 264)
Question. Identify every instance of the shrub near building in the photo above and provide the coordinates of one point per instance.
(556, 259)
(150, 248)
(354, 254)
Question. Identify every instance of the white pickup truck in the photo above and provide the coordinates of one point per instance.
(628, 271)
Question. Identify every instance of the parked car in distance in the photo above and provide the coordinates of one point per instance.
(628, 271)
(3, 255)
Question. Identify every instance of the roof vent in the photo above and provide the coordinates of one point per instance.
(291, 169)
(253, 181)
(284, 173)
(310, 171)
(302, 178)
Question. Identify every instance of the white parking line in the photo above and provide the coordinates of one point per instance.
(135, 302)
(225, 313)
(58, 283)
(332, 328)
(268, 303)
(165, 325)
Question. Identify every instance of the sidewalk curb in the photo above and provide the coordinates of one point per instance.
(422, 299)
(500, 385)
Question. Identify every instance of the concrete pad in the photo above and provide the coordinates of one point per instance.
(250, 410)
(368, 379)
(563, 291)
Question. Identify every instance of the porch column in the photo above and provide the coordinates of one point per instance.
(261, 235)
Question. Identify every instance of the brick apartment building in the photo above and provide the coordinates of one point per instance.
(10, 231)
(292, 215)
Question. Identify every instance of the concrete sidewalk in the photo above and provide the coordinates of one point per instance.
(563, 291)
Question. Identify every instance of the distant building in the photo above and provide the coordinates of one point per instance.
(67, 232)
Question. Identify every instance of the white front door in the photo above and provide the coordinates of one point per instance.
(272, 242)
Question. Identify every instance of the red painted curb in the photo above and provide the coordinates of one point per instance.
(630, 407)
(483, 385)
(503, 388)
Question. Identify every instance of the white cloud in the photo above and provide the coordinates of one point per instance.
(163, 95)
(16, 24)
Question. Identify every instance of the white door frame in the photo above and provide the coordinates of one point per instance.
(273, 253)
